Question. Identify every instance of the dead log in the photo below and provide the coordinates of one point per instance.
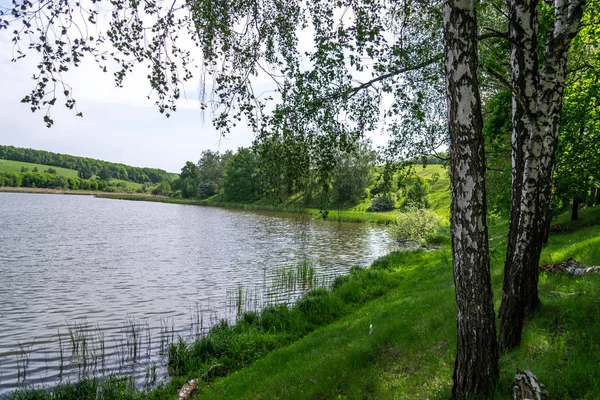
(571, 266)
(191, 386)
(527, 386)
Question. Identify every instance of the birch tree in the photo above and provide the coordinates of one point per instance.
(476, 366)
(537, 104)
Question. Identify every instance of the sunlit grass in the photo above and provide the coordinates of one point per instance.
(410, 352)
(15, 166)
(439, 195)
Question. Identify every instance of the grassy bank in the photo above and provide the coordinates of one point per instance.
(409, 353)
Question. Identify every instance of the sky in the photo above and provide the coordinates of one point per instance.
(118, 124)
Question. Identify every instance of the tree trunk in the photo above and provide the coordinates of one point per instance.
(548, 225)
(575, 209)
(520, 286)
(598, 196)
(538, 102)
(476, 365)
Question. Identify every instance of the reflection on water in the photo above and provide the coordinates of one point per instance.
(92, 285)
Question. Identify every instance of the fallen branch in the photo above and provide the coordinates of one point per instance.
(186, 391)
(571, 266)
(527, 386)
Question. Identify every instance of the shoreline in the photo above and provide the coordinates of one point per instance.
(10, 189)
(334, 215)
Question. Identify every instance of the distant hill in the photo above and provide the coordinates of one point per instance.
(84, 167)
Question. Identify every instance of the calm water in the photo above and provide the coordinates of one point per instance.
(92, 286)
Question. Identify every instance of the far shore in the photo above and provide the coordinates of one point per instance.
(336, 215)
(96, 193)
(44, 190)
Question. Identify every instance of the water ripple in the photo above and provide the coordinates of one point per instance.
(94, 286)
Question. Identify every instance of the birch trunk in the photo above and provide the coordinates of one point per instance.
(537, 106)
(476, 365)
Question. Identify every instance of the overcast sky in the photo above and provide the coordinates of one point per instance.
(118, 124)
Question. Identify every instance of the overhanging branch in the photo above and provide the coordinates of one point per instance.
(354, 90)
(505, 82)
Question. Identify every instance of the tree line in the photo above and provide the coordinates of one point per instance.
(86, 167)
(247, 176)
(48, 180)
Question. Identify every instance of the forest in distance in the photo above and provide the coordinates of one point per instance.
(361, 178)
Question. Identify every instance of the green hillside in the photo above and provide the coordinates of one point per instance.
(439, 196)
(86, 165)
(16, 166)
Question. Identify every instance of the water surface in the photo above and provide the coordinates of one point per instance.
(89, 270)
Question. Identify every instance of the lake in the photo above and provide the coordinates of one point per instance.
(92, 286)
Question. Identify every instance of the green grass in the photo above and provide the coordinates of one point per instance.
(588, 216)
(131, 185)
(15, 166)
(439, 196)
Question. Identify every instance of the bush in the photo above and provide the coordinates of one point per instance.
(163, 189)
(419, 226)
(60, 182)
(383, 202)
(417, 195)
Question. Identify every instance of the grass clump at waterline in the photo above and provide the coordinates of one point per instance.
(232, 347)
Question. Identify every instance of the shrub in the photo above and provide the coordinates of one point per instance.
(417, 225)
(434, 178)
(60, 182)
(417, 194)
(162, 189)
(383, 202)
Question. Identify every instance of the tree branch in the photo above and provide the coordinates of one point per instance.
(584, 66)
(505, 82)
(439, 157)
(493, 34)
(353, 91)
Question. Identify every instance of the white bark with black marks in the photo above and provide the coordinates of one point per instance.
(476, 365)
(537, 107)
